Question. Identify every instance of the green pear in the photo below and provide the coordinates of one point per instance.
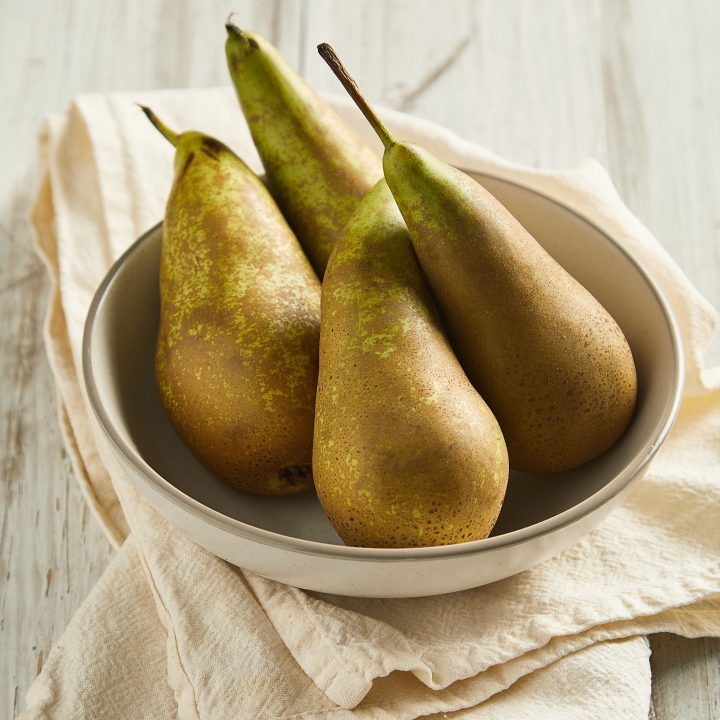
(317, 168)
(237, 349)
(406, 453)
(550, 361)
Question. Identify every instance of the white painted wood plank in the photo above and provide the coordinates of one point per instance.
(287, 30)
(686, 678)
(661, 80)
(535, 74)
(524, 80)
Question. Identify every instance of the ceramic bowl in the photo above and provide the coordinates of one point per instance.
(289, 538)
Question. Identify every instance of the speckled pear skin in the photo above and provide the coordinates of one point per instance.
(316, 167)
(237, 350)
(406, 453)
(549, 360)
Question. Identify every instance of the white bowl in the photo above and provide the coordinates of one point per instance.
(289, 538)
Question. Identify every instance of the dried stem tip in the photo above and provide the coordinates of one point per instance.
(329, 56)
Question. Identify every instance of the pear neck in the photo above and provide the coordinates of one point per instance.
(235, 32)
(170, 135)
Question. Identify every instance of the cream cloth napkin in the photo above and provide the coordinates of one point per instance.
(171, 631)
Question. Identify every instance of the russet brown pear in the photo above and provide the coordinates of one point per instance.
(237, 349)
(550, 361)
(406, 453)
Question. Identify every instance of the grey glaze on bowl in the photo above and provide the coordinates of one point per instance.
(289, 538)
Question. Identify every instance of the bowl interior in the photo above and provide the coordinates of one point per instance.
(122, 343)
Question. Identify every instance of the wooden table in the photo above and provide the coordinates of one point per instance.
(634, 84)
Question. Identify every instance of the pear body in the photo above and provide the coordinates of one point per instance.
(317, 168)
(550, 361)
(236, 355)
(406, 453)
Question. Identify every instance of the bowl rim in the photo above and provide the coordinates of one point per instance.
(317, 548)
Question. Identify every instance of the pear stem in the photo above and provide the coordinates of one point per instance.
(329, 56)
(171, 136)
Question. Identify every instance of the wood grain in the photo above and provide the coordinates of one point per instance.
(662, 103)
(685, 686)
(634, 84)
(662, 108)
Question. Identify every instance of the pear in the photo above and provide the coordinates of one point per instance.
(237, 349)
(550, 361)
(406, 453)
(316, 167)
